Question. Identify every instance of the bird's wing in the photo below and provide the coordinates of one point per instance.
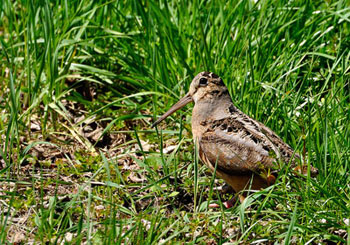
(234, 154)
(240, 147)
(262, 134)
(286, 152)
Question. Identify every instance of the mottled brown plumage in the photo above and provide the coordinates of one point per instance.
(246, 152)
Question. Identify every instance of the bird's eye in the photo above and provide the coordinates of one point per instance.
(203, 82)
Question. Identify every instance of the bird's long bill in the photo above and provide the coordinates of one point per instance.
(181, 103)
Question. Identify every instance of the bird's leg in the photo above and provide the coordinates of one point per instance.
(224, 189)
(227, 189)
(230, 203)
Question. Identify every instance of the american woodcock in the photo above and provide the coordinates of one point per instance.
(246, 152)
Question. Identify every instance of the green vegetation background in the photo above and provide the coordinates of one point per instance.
(82, 81)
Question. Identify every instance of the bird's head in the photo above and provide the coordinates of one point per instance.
(204, 86)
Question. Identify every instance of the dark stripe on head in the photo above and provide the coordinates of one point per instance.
(206, 74)
(218, 82)
(213, 75)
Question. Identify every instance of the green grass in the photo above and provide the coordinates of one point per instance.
(82, 81)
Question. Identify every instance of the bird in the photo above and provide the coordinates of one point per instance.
(242, 151)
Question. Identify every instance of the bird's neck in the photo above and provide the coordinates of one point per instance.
(209, 109)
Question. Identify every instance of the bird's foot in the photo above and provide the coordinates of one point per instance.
(228, 204)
